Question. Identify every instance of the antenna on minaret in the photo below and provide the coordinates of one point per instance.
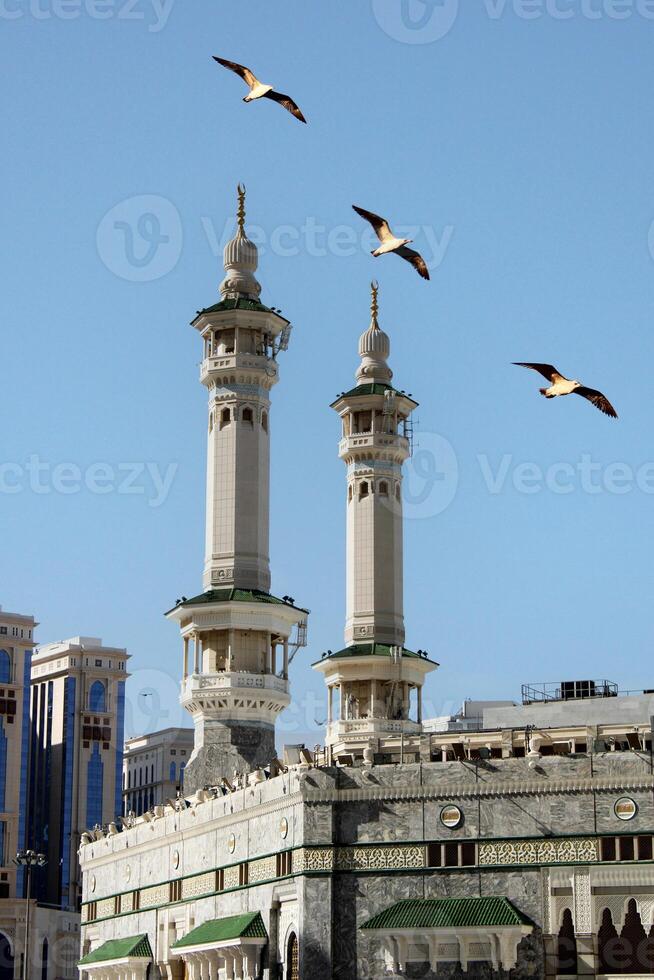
(374, 304)
(240, 214)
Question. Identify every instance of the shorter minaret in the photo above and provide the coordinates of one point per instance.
(377, 681)
(236, 635)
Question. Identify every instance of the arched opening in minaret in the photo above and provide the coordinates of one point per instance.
(383, 488)
(349, 494)
(264, 421)
(248, 416)
(363, 489)
(225, 417)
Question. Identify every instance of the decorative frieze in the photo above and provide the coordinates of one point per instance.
(106, 907)
(199, 885)
(232, 877)
(387, 856)
(154, 896)
(526, 852)
(262, 870)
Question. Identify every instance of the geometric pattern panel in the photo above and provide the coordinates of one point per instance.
(199, 885)
(525, 852)
(393, 857)
(157, 895)
(262, 870)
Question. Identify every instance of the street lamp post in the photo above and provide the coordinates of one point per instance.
(28, 860)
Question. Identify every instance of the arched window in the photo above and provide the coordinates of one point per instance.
(566, 952)
(609, 945)
(264, 421)
(3, 765)
(97, 697)
(363, 489)
(6, 959)
(172, 775)
(634, 942)
(5, 667)
(225, 417)
(397, 491)
(349, 493)
(248, 416)
(292, 958)
(383, 488)
(94, 786)
(44, 960)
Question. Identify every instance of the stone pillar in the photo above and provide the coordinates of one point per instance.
(230, 650)
(330, 704)
(196, 654)
(419, 705)
(273, 655)
(286, 657)
(185, 657)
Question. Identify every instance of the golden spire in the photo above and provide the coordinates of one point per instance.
(374, 304)
(240, 214)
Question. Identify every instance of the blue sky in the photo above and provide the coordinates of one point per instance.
(515, 140)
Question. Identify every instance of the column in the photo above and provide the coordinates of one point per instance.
(196, 652)
(286, 658)
(273, 654)
(230, 650)
(420, 704)
(341, 699)
(583, 919)
(185, 657)
(330, 704)
(371, 710)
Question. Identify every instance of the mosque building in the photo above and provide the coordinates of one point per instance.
(523, 843)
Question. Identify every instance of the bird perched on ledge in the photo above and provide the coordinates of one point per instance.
(260, 91)
(561, 385)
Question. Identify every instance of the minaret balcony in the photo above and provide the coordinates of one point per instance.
(214, 366)
(235, 693)
(374, 727)
(375, 441)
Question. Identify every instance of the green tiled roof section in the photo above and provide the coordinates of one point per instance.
(236, 595)
(448, 913)
(134, 947)
(372, 389)
(237, 304)
(248, 926)
(372, 650)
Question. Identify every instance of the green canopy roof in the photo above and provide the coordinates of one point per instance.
(247, 926)
(235, 595)
(449, 913)
(240, 304)
(372, 650)
(134, 947)
(372, 389)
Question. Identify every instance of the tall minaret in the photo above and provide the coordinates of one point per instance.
(375, 676)
(236, 635)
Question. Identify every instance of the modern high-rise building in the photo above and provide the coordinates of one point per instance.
(153, 768)
(76, 764)
(53, 935)
(16, 644)
(235, 685)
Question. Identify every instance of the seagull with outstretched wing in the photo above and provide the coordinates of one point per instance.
(560, 385)
(391, 243)
(260, 91)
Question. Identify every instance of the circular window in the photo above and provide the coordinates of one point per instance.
(283, 828)
(93, 883)
(128, 872)
(231, 843)
(625, 808)
(175, 859)
(451, 817)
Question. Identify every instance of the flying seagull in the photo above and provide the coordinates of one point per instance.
(389, 242)
(260, 91)
(563, 386)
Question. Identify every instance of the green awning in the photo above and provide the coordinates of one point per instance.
(247, 926)
(373, 389)
(373, 650)
(449, 913)
(134, 947)
(235, 595)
